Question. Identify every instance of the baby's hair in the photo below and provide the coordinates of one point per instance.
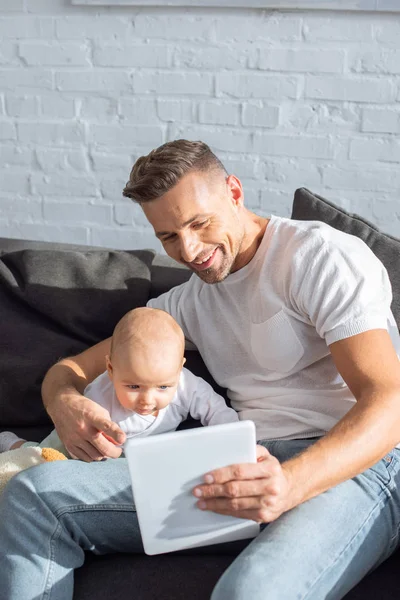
(144, 325)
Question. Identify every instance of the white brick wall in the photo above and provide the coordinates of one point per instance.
(285, 99)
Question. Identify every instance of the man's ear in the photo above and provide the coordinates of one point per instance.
(109, 367)
(236, 190)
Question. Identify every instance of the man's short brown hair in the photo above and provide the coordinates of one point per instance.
(155, 174)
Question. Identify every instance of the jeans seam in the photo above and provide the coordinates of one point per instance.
(48, 586)
(98, 507)
(333, 562)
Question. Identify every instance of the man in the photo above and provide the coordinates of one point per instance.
(294, 318)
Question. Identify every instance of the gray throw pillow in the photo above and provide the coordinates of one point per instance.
(311, 207)
(55, 304)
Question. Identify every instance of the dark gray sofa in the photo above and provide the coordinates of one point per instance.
(56, 300)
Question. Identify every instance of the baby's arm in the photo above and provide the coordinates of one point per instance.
(207, 405)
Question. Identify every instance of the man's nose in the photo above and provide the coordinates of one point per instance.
(189, 246)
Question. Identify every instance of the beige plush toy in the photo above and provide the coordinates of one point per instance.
(14, 461)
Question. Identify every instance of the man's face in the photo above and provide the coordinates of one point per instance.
(199, 223)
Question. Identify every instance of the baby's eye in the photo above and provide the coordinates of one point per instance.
(132, 387)
(163, 387)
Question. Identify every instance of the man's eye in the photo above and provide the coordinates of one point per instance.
(169, 238)
(200, 224)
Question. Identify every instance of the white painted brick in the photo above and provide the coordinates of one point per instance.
(175, 27)
(217, 57)
(138, 110)
(58, 159)
(55, 106)
(53, 6)
(264, 27)
(275, 202)
(301, 60)
(176, 110)
(25, 80)
(50, 133)
(387, 31)
(339, 28)
(105, 161)
(257, 114)
(383, 61)
(98, 109)
(124, 238)
(49, 233)
(15, 156)
(251, 192)
(14, 6)
(112, 184)
(13, 180)
(380, 120)
(299, 146)
(256, 85)
(20, 27)
(22, 106)
(127, 135)
(219, 113)
(129, 213)
(9, 54)
(93, 81)
(7, 131)
(48, 54)
(66, 211)
(386, 150)
(61, 184)
(21, 209)
(142, 56)
(241, 165)
(93, 27)
(320, 116)
(292, 172)
(166, 83)
(356, 178)
(354, 90)
(229, 140)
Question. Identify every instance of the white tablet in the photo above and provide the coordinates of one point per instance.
(164, 470)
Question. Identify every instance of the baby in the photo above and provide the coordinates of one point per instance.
(145, 387)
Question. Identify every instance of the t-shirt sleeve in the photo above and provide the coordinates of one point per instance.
(173, 302)
(343, 289)
(206, 405)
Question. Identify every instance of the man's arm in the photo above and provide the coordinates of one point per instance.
(369, 365)
(80, 422)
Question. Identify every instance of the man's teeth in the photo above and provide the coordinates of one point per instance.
(200, 262)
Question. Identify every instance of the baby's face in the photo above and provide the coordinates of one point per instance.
(146, 386)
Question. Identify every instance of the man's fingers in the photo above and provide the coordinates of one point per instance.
(105, 448)
(238, 489)
(267, 467)
(242, 508)
(109, 428)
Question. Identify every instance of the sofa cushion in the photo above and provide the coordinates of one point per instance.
(311, 207)
(54, 304)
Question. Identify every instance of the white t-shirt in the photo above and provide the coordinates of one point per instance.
(264, 331)
(193, 396)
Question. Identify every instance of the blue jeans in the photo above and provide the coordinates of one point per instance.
(51, 514)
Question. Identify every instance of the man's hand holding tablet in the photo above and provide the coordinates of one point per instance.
(247, 491)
